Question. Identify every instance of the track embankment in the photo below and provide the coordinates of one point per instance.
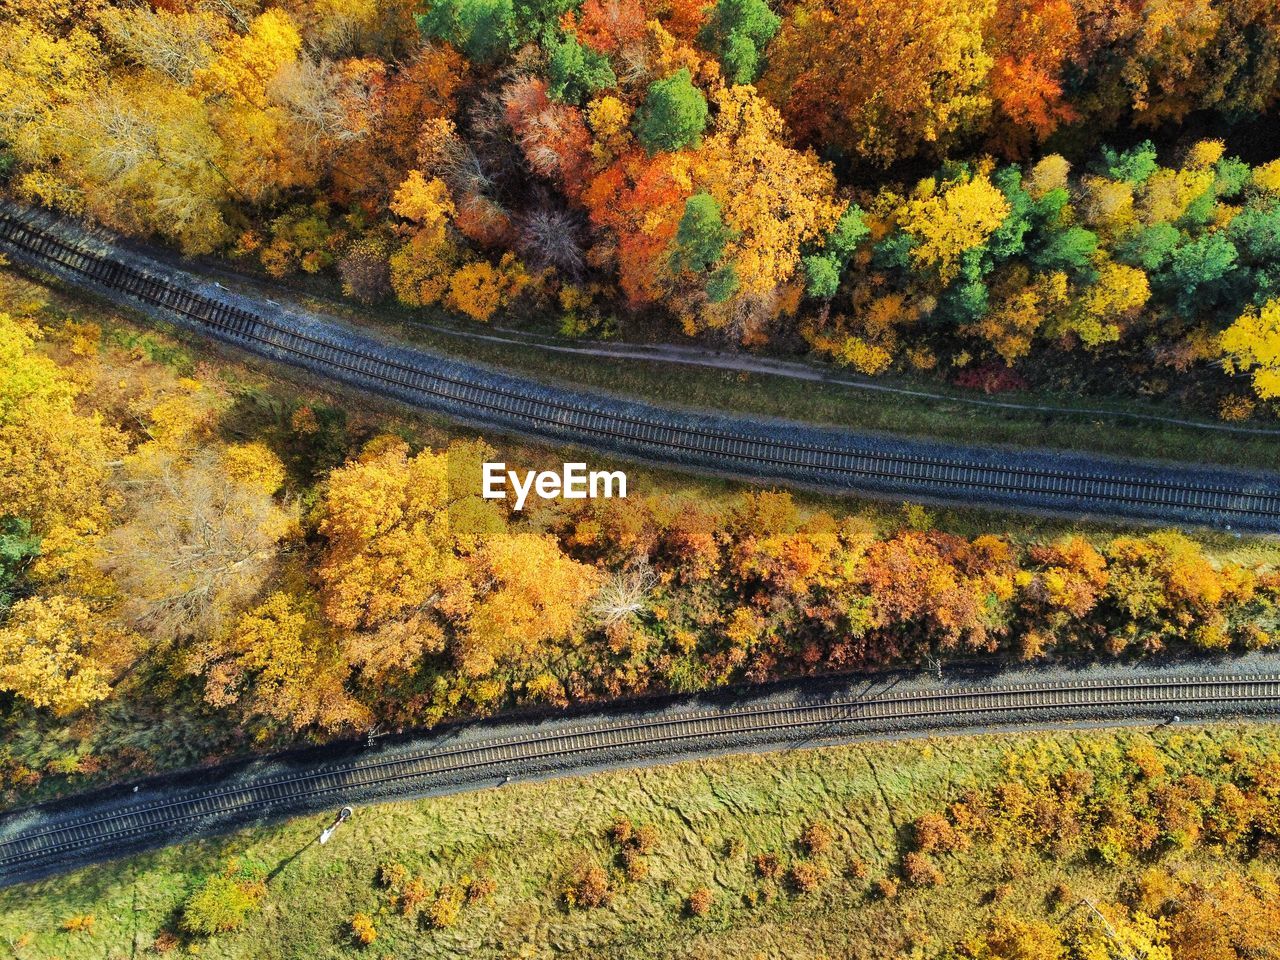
(883, 466)
(44, 840)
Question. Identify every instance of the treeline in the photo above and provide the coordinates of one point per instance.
(294, 574)
(622, 161)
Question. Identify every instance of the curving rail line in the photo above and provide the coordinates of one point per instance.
(34, 843)
(828, 458)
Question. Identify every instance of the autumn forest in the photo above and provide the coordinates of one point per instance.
(998, 193)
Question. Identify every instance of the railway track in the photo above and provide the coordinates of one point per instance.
(35, 843)
(827, 458)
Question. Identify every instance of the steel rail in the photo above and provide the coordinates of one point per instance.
(99, 833)
(1110, 487)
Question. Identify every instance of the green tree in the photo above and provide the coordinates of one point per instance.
(1199, 271)
(822, 271)
(738, 31)
(673, 115)
(17, 548)
(701, 236)
(576, 71)
(1134, 165)
(1150, 248)
(483, 30)
(1069, 249)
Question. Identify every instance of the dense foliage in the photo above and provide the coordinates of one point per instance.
(634, 161)
(274, 567)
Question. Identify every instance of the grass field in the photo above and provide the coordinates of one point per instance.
(711, 819)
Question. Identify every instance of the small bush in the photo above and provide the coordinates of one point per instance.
(446, 908)
(362, 929)
(806, 877)
(1061, 896)
(645, 839)
(699, 902)
(413, 894)
(634, 865)
(934, 832)
(621, 830)
(392, 875)
(769, 865)
(481, 888)
(164, 942)
(79, 924)
(817, 838)
(222, 904)
(588, 887)
(857, 869)
(886, 887)
(366, 272)
(920, 871)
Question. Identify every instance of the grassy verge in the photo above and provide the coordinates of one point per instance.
(709, 821)
(950, 418)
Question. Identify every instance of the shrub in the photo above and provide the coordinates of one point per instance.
(817, 838)
(634, 865)
(366, 271)
(413, 894)
(621, 830)
(768, 865)
(933, 832)
(79, 924)
(645, 839)
(446, 908)
(223, 903)
(588, 887)
(164, 942)
(886, 887)
(1061, 896)
(481, 888)
(699, 902)
(856, 869)
(362, 929)
(920, 871)
(805, 876)
(392, 875)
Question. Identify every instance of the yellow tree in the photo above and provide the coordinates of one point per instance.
(266, 151)
(279, 661)
(54, 460)
(532, 594)
(1252, 344)
(882, 78)
(774, 199)
(396, 527)
(173, 43)
(420, 270)
(200, 539)
(142, 156)
(41, 74)
(56, 652)
(945, 223)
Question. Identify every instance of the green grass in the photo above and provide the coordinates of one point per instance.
(712, 817)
